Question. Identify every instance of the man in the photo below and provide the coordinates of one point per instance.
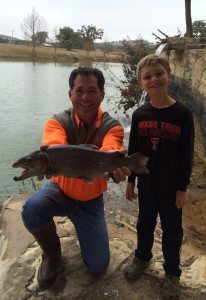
(83, 203)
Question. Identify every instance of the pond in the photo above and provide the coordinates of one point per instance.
(29, 95)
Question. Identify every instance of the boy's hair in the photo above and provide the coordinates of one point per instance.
(152, 59)
(84, 71)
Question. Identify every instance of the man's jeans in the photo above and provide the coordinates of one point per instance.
(88, 219)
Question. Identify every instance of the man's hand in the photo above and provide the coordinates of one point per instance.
(121, 173)
(130, 194)
(181, 199)
(43, 147)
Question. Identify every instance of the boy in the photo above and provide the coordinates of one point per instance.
(163, 130)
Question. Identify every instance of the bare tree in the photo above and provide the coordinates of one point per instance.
(53, 39)
(31, 25)
(188, 18)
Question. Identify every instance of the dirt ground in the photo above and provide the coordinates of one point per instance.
(21, 257)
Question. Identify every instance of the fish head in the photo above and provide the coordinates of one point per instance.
(33, 164)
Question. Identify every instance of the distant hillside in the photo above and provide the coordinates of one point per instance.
(9, 38)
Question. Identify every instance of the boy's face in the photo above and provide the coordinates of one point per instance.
(154, 79)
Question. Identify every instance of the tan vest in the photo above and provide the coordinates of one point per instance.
(79, 135)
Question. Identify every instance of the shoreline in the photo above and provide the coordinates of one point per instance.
(12, 52)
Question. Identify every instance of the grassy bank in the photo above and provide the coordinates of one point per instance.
(24, 53)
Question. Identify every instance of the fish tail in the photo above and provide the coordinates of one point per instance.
(138, 163)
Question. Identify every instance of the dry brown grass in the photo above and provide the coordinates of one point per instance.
(23, 52)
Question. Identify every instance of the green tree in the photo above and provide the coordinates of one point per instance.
(199, 28)
(89, 34)
(2, 40)
(133, 51)
(32, 24)
(41, 37)
(77, 41)
(69, 39)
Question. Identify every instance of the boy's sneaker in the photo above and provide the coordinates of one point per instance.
(135, 268)
(171, 287)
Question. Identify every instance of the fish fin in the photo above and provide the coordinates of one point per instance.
(52, 171)
(87, 180)
(139, 162)
(91, 146)
(119, 153)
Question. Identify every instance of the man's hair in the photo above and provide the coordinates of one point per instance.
(83, 71)
(152, 59)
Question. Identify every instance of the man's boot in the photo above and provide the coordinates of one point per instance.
(49, 242)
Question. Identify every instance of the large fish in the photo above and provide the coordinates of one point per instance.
(77, 162)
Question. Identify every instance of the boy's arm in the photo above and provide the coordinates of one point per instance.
(132, 148)
(186, 150)
(130, 194)
(181, 199)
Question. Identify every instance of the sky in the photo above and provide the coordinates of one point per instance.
(128, 19)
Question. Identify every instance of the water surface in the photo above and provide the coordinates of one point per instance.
(29, 95)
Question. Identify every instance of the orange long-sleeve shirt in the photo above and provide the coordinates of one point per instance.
(54, 134)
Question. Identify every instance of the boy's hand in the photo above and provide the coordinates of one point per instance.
(181, 199)
(43, 147)
(121, 173)
(130, 194)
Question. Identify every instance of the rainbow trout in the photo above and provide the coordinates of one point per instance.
(77, 162)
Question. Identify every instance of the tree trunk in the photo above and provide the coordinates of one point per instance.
(33, 47)
(55, 52)
(188, 18)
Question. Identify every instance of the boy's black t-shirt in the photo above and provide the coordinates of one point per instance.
(166, 136)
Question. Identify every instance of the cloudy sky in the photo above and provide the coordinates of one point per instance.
(119, 19)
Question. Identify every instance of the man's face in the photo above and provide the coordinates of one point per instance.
(86, 97)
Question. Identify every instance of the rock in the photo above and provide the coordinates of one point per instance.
(201, 185)
(20, 257)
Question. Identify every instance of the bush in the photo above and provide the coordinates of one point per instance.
(133, 52)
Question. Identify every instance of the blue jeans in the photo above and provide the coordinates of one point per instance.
(88, 219)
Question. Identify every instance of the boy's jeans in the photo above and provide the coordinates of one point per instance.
(150, 204)
(88, 219)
